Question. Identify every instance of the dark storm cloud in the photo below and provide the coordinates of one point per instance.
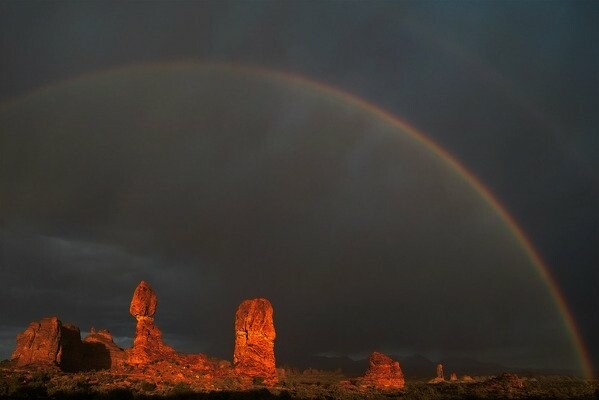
(218, 185)
(510, 89)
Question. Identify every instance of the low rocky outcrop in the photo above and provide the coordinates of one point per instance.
(50, 342)
(254, 355)
(506, 382)
(383, 373)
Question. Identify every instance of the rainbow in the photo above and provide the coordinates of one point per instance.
(416, 135)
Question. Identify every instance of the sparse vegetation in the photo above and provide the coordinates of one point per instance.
(308, 384)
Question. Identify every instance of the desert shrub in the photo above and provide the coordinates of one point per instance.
(258, 381)
(147, 386)
(40, 377)
(181, 389)
(558, 387)
(119, 394)
(31, 391)
(12, 384)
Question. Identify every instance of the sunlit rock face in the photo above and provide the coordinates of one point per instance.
(453, 377)
(147, 344)
(383, 373)
(49, 342)
(144, 301)
(39, 343)
(254, 354)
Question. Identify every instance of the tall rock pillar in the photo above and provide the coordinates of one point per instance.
(254, 354)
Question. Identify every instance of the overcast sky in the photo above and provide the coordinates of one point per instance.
(217, 184)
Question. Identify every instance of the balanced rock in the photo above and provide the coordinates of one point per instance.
(383, 373)
(144, 301)
(39, 343)
(254, 354)
(147, 344)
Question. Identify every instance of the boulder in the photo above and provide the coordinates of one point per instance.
(144, 301)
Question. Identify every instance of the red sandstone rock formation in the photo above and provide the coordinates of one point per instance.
(101, 352)
(254, 354)
(147, 344)
(144, 301)
(50, 342)
(383, 373)
(453, 377)
(39, 343)
(71, 355)
(440, 376)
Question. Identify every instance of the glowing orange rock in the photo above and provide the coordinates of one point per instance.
(39, 343)
(383, 373)
(144, 301)
(453, 377)
(254, 354)
(147, 344)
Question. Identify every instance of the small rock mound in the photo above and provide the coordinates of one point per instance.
(383, 373)
(505, 382)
